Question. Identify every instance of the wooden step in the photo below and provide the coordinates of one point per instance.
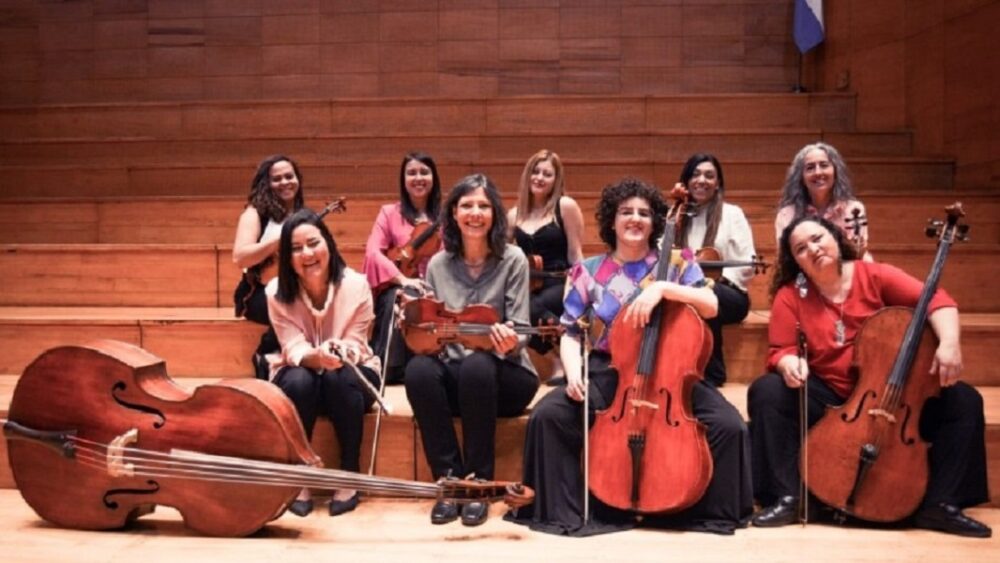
(212, 219)
(400, 451)
(197, 275)
(211, 343)
(562, 115)
(729, 145)
(332, 175)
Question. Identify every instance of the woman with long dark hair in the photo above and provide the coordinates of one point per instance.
(321, 311)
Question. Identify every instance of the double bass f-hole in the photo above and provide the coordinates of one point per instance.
(120, 386)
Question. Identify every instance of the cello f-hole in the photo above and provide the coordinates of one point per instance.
(906, 423)
(847, 417)
(121, 386)
(669, 402)
(625, 401)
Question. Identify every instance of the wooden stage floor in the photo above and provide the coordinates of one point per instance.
(391, 530)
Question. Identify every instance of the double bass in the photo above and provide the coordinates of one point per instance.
(866, 457)
(648, 453)
(98, 435)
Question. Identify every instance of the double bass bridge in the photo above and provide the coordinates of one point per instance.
(117, 466)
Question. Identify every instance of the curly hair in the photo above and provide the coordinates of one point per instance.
(794, 191)
(288, 280)
(433, 198)
(524, 189)
(262, 197)
(711, 208)
(451, 235)
(787, 268)
(614, 194)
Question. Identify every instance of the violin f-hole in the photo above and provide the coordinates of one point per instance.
(847, 417)
(121, 386)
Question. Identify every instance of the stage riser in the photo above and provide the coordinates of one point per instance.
(541, 114)
(205, 276)
(736, 146)
(211, 220)
(201, 349)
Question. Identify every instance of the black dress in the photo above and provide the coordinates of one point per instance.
(551, 244)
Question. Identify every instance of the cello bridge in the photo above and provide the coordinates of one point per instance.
(640, 404)
(884, 414)
(117, 467)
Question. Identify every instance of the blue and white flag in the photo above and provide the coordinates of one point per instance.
(808, 26)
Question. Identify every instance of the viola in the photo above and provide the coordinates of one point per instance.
(866, 457)
(428, 326)
(710, 260)
(99, 434)
(268, 269)
(424, 242)
(648, 452)
(537, 273)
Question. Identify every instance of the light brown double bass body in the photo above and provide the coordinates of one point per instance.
(676, 463)
(101, 392)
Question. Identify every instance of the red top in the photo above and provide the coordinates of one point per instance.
(874, 286)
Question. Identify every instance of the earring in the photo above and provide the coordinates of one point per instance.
(801, 284)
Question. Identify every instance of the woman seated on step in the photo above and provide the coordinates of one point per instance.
(394, 232)
(821, 286)
(621, 283)
(321, 311)
(477, 267)
(722, 226)
(548, 226)
(275, 193)
(818, 184)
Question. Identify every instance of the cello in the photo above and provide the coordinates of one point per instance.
(99, 434)
(866, 457)
(649, 427)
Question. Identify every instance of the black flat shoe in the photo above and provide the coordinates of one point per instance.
(475, 513)
(301, 508)
(949, 519)
(338, 507)
(444, 511)
(782, 513)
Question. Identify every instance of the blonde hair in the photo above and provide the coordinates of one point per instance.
(524, 190)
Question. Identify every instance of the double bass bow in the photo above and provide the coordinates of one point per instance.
(866, 457)
(648, 453)
(99, 434)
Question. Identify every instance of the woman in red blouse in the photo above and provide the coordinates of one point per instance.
(822, 287)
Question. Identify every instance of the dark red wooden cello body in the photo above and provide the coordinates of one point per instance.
(99, 435)
(866, 457)
(647, 451)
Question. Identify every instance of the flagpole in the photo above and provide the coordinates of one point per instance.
(799, 88)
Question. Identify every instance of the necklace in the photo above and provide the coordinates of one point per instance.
(839, 329)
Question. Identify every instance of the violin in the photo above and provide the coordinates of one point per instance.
(648, 451)
(428, 326)
(537, 273)
(424, 242)
(710, 260)
(267, 270)
(99, 434)
(866, 457)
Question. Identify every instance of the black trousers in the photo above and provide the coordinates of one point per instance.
(399, 355)
(552, 464)
(478, 389)
(256, 312)
(953, 424)
(546, 308)
(336, 394)
(733, 308)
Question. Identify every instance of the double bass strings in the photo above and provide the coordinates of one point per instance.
(207, 467)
